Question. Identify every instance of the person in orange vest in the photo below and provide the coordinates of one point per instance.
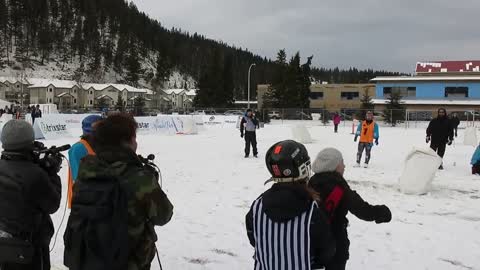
(367, 130)
(79, 150)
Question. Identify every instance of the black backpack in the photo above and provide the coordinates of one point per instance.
(96, 237)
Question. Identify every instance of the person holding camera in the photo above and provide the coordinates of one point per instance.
(30, 191)
(117, 201)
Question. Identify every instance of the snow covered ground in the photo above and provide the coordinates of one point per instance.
(212, 186)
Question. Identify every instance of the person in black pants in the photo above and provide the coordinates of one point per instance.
(339, 199)
(440, 133)
(248, 127)
(455, 123)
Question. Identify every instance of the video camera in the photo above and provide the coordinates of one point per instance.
(148, 163)
(39, 149)
(49, 158)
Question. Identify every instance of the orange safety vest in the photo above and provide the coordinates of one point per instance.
(70, 177)
(366, 134)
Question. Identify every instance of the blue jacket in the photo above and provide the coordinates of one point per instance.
(476, 156)
(75, 155)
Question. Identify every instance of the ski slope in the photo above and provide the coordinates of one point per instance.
(212, 186)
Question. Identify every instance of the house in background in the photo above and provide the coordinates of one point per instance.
(13, 88)
(64, 93)
(180, 99)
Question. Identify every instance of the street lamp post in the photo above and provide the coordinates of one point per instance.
(248, 94)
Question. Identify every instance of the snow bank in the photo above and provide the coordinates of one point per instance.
(301, 134)
(470, 137)
(419, 172)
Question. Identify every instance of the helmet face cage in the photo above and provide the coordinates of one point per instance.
(305, 170)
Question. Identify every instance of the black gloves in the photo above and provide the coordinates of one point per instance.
(450, 141)
(383, 214)
(241, 135)
(51, 163)
(376, 141)
(427, 139)
(355, 139)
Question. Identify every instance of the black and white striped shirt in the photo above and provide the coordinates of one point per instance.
(281, 245)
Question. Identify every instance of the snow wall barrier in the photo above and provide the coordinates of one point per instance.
(419, 171)
(301, 134)
(470, 137)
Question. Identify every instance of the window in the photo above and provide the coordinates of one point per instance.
(456, 91)
(403, 91)
(49, 100)
(74, 91)
(113, 102)
(350, 95)
(50, 90)
(316, 95)
(91, 92)
(91, 102)
(18, 85)
(74, 101)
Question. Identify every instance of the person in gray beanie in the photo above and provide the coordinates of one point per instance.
(339, 199)
(29, 194)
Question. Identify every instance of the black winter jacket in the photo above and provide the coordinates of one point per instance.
(28, 195)
(455, 122)
(285, 201)
(440, 130)
(324, 183)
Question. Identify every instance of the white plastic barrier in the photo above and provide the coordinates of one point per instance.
(51, 128)
(419, 172)
(189, 126)
(4, 119)
(301, 134)
(470, 137)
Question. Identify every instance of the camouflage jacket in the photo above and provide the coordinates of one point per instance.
(147, 205)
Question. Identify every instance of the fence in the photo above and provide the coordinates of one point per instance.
(398, 118)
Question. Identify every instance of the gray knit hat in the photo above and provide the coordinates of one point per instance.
(17, 135)
(327, 160)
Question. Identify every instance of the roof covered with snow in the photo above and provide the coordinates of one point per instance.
(448, 66)
(42, 83)
(425, 78)
(11, 79)
(432, 101)
(192, 92)
(174, 91)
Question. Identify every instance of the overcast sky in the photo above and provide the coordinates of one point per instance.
(380, 34)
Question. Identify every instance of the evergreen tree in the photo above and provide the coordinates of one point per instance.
(3, 31)
(395, 110)
(367, 105)
(102, 104)
(133, 68)
(139, 106)
(120, 106)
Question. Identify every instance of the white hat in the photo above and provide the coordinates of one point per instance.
(327, 160)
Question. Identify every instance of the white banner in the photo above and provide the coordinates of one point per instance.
(164, 125)
(51, 128)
